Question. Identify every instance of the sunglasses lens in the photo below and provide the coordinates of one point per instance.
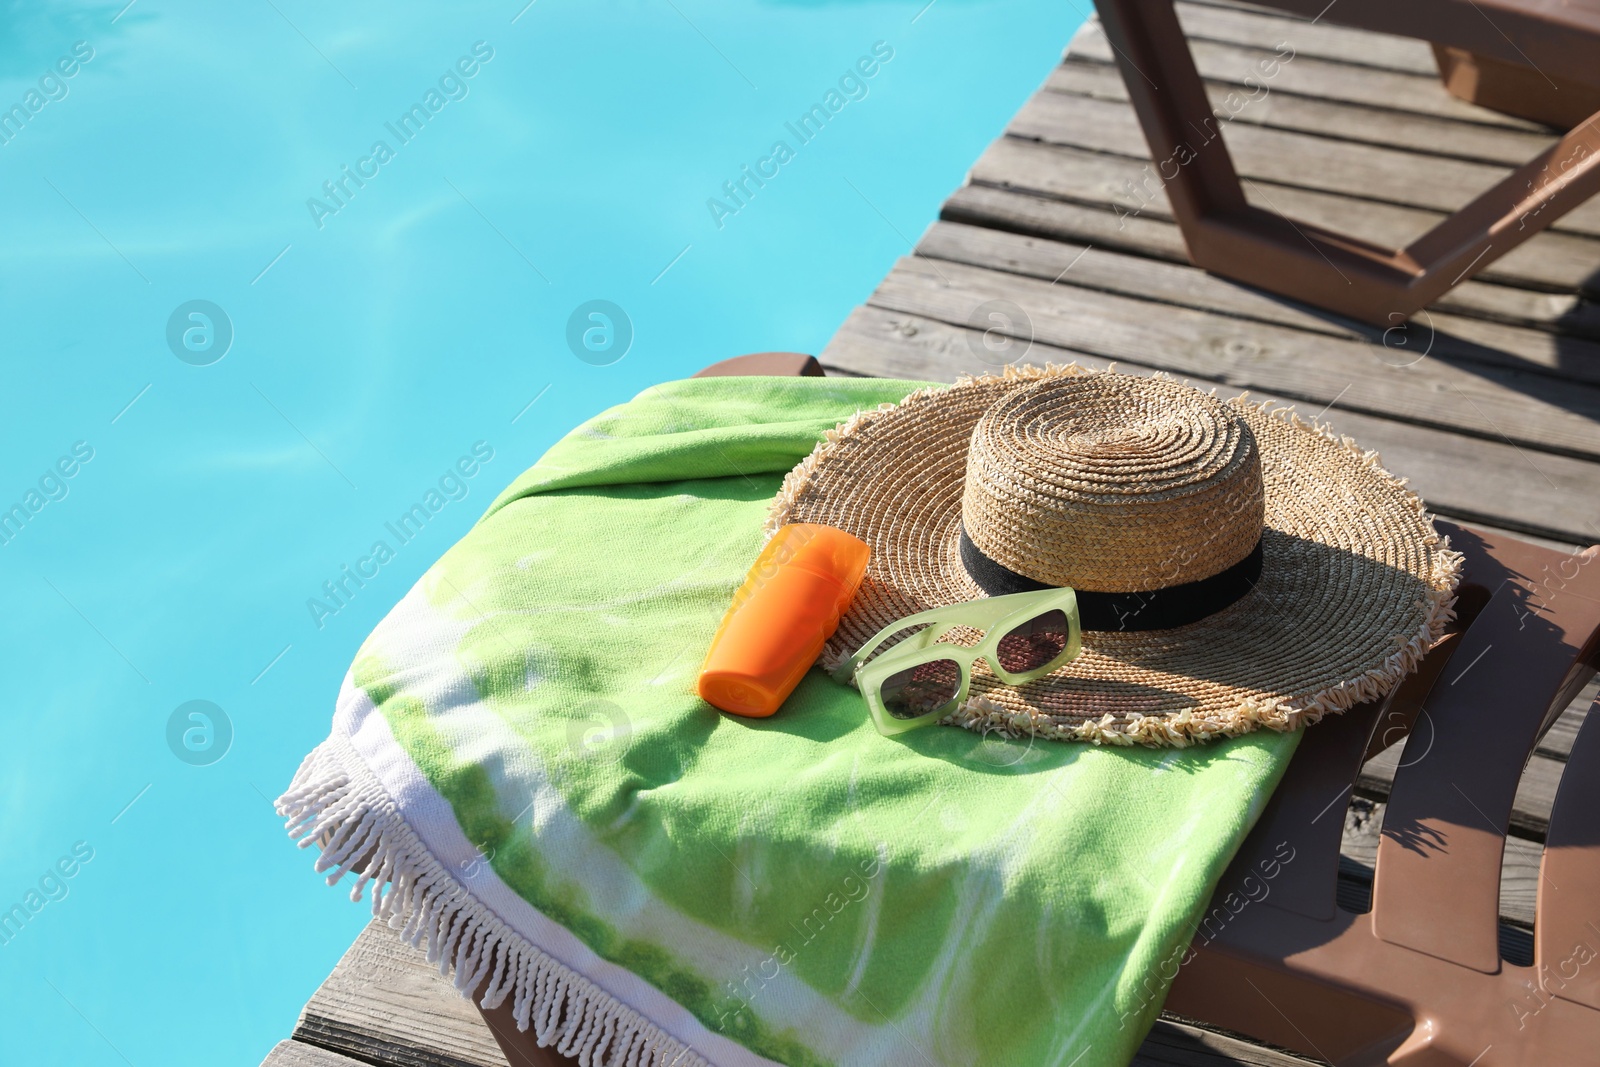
(1034, 643)
(918, 690)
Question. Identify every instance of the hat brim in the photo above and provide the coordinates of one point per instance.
(1356, 584)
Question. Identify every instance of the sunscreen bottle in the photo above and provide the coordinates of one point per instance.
(789, 605)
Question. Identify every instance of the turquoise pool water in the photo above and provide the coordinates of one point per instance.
(271, 270)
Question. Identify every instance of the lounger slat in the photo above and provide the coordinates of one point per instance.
(1450, 807)
(1294, 849)
(1519, 868)
(1568, 928)
(1530, 811)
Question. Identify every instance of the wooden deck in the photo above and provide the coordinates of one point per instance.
(1489, 401)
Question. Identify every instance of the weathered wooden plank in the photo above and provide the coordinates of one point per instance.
(1288, 157)
(1557, 742)
(1460, 477)
(1363, 825)
(1498, 404)
(296, 1054)
(1447, 337)
(1323, 40)
(1149, 235)
(1267, 103)
(1564, 263)
(999, 206)
(1307, 76)
(385, 1004)
(1172, 1043)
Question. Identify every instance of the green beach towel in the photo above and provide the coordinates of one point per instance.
(521, 772)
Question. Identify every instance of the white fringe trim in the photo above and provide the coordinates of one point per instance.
(337, 803)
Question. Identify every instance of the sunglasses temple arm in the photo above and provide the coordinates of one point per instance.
(845, 672)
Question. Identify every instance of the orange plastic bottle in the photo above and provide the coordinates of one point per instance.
(790, 604)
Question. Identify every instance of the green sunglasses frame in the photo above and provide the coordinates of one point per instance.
(996, 616)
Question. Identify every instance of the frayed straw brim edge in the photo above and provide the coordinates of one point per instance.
(337, 803)
(1181, 729)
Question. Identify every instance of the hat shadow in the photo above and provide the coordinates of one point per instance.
(989, 752)
(1241, 647)
(995, 752)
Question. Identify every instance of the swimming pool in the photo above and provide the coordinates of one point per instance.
(283, 284)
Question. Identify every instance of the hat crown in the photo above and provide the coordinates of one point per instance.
(1113, 483)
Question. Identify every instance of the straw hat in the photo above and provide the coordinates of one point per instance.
(1235, 567)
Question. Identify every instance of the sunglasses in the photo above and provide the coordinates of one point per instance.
(924, 678)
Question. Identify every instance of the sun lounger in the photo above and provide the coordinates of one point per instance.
(1419, 979)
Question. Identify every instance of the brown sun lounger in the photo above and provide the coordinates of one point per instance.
(1420, 978)
(1517, 54)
